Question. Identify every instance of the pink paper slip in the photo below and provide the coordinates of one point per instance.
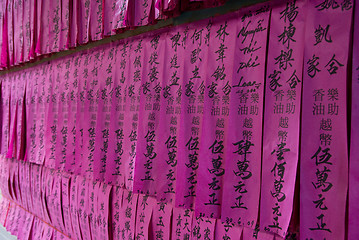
(324, 158)
(282, 116)
(353, 232)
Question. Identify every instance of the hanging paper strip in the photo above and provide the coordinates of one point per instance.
(19, 35)
(73, 32)
(12, 115)
(161, 221)
(74, 113)
(249, 233)
(203, 228)
(43, 25)
(181, 223)
(21, 118)
(33, 28)
(121, 16)
(218, 86)
(5, 115)
(83, 24)
(227, 230)
(353, 232)
(64, 24)
(242, 177)
(170, 112)
(2, 16)
(96, 67)
(27, 13)
(102, 129)
(63, 98)
(143, 12)
(145, 177)
(116, 206)
(31, 107)
(132, 58)
(324, 158)
(96, 19)
(65, 197)
(10, 31)
(195, 41)
(282, 115)
(55, 15)
(114, 171)
(145, 206)
(83, 105)
(103, 211)
(74, 207)
(128, 215)
(51, 112)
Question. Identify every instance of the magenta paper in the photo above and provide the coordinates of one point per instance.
(73, 113)
(21, 117)
(74, 207)
(110, 9)
(116, 207)
(161, 221)
(242, 178)
(143, 13)
(18, 31)
(55, 9)
(96, 65)
(51, 113)
(35, 176)
(148, 140)
(170, 113)
(203, 228)
(96, 19)
(251, 234)
(5, 115)
(83, 18)
(27, 31)
(282, 116)
(102, 129)
(128, 215)
(227, 230)
(56, 201)
(10, 31)
(194, 40)
(41, 106)
(64, 24)
(85, 96)
(32, 91)
(2, 16)
(119, 14)
(46, 188)
(116, 163)
(43, 27)
(4, 36)
(33, 28)
(65, 200)
(324, 158)
(83, 205)
(145, 206)
(62, 127)
(181, 223)
(13, 116)
(103, 210)
(353, 232)
(218, 86)
(73, 25)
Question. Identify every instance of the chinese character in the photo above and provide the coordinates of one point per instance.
(333, 65)
(312, 68)
(320, 33)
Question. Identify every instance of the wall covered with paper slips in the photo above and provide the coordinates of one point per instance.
(240, 126)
